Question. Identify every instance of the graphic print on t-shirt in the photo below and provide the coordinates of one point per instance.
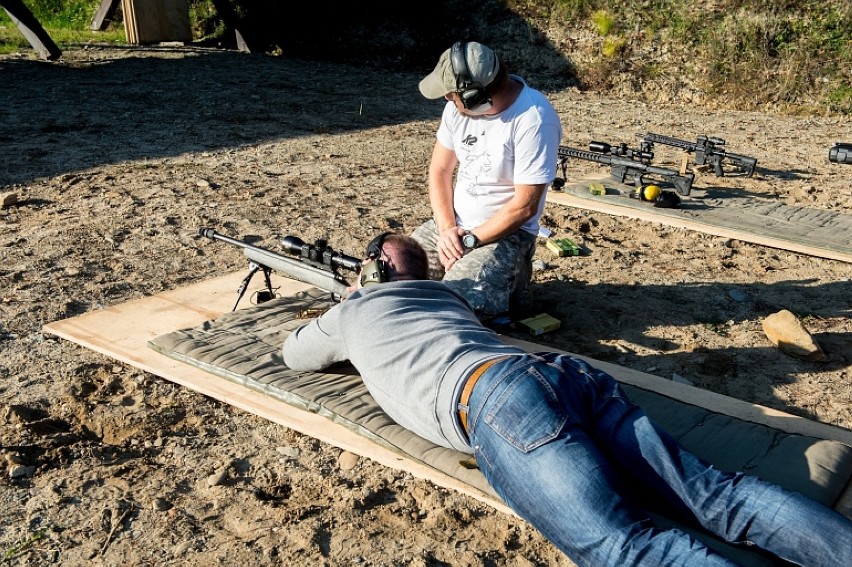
(474, 166)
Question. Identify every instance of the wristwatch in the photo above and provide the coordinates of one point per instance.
(470, 240)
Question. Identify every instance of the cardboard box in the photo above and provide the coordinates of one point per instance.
(540, 324)
(562, 247)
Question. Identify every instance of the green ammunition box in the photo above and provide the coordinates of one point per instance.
(562, 247)
(597, 189)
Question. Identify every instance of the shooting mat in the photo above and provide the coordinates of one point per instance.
(726, 212)
(187, 336)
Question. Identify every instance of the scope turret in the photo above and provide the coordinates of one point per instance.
(320, 253)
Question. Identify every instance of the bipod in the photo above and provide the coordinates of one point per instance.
(267, 294)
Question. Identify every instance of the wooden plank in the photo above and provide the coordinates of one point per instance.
(154, 21)
(103, 15)
(815, 232)
(122, 332)
(129, 21)
(31, 29)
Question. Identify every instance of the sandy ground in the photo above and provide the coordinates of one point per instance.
(117, 157)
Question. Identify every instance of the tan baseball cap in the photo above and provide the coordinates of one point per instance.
(482, 66)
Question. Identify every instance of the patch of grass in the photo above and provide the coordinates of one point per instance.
(613, 46)
(602, 22)
(572, 9)
(24, 545)
(65, 21)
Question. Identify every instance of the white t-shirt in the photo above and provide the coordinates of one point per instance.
(516, 146)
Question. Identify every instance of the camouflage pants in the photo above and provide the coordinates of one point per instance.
(494, 278)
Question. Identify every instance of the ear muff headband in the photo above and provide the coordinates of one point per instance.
(474, 96)
(375, 270)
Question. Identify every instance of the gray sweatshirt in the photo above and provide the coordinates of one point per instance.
(413, 342)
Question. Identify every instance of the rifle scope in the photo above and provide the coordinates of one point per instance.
(840, 153)
(320, 253)
(621, 150)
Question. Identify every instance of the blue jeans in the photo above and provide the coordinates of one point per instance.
(561, 444)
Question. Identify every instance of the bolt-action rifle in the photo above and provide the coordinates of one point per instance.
(316, 264)
(634, 168)
(706, 149)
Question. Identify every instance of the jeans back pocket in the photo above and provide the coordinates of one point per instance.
(526, 412)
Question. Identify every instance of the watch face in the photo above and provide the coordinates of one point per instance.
(469, 241)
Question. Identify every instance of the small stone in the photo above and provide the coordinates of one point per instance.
(788, 334)
(8, 199)
(738, 295)
(17, 471)
(347, 460)
(289, 452)
(217, 478)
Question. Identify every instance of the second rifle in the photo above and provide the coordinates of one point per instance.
(630, 166)
(707, 150)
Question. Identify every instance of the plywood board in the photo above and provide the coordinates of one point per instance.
(154, 21)
(122, 332)
(768, 222)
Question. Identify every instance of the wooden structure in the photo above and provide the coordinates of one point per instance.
(31, 29)
(155, 21)
(104, 14)
(162, 20)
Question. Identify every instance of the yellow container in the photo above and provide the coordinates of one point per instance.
(540, 324)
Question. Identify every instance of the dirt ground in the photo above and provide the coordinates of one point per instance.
(118, 156)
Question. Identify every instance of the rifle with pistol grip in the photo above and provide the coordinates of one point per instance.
(707, 149)
(627, 166)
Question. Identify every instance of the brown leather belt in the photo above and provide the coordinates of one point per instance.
(468, 387)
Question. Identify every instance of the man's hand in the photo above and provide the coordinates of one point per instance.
(449, 246)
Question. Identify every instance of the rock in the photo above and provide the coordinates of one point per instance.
(738, 295)
(347, 460)
(17, 471)
(8, 199)
(788, 334)
(217, 478)
(289, 452)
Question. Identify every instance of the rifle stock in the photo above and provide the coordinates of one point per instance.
(326, 277)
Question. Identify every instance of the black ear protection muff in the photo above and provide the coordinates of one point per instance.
(375, 270)
(474, 97)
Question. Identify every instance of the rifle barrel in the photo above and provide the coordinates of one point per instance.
(669, 141)
(303, 272)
